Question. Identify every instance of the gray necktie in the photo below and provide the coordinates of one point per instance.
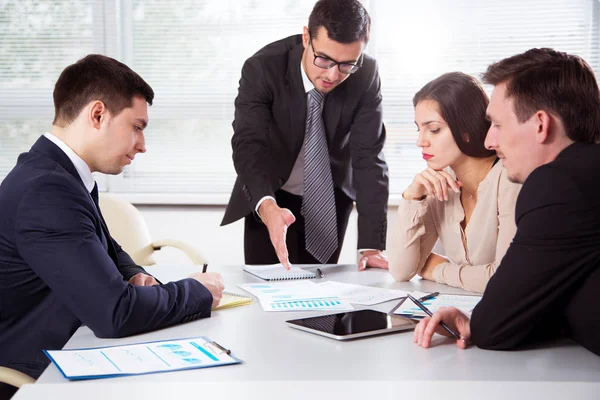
(318, 202)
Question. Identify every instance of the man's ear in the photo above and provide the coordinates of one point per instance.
(543, 121)
(97, 114)
(305, 37)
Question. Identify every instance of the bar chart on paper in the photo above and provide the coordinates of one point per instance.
(305, 305)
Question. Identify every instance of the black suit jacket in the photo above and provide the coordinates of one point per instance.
(549, 280)
(59, 267)
(269, 128)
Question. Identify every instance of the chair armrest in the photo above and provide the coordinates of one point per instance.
(188, 249)
(14, 377)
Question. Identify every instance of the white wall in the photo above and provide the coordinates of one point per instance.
(222, 245)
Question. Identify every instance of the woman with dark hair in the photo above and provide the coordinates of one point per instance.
(463, 198)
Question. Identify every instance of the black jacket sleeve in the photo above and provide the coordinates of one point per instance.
(55, 235)
(370, 171)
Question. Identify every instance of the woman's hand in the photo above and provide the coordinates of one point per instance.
(431, 182)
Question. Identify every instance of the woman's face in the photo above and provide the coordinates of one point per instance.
(435, 138)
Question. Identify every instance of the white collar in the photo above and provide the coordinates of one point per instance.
(308, 85)
(82, 168)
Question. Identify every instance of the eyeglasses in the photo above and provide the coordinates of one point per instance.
(328, 63)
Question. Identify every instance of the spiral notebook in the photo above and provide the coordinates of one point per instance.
(277, 272)
(230, 300)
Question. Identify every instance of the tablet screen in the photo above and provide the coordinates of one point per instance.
(353, 324)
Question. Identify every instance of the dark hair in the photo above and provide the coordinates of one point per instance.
(559, 83)
(96, 77)
(346, 21)
(462, 103)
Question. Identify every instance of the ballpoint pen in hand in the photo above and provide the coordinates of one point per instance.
(426, 310)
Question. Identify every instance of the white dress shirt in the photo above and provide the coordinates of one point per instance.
(82, 168)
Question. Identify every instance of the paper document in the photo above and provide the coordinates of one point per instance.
(287, 291)
(359, 294)
(465, 303)
(295, 296)
(308, 305)
(230, 300)
(142, 358)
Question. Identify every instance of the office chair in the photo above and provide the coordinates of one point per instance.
(128, 228)
(14, 378)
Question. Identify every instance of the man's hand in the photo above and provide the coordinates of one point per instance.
(372, 258)
(142, 279)
(453, 317)
(213, 281)
(277, 220)
(432, 262)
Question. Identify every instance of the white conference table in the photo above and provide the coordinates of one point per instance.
(272, 351)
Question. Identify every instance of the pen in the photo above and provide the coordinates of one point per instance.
(223, 349)
(426, 310)
(204, 268)
(429, 296)
(426, 297)
(320, 273)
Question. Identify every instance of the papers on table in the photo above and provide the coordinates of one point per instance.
(141, 358)
(308, 295)
(364, 295)
(295, 296)
(465, 303)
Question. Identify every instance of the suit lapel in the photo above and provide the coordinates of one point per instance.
(50, 150)
(332, 111)
(297, 96)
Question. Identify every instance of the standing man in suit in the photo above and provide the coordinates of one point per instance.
(545, 115)
(307, 142)
(59, 266)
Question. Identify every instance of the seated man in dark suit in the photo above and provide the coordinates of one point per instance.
(59, 266)
(307, 143)
(545, 115)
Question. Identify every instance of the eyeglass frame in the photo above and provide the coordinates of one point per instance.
(356, 66)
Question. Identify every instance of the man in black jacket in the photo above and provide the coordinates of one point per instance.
(545, 115)
(308, 136)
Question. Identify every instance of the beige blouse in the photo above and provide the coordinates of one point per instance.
(475, 252)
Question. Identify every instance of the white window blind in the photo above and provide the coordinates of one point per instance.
(191, 53)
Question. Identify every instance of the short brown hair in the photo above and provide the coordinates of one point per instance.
(346, 21)
(462, 103)
(96, 77)
(557, 82)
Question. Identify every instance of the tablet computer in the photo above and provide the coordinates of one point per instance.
(353, 324)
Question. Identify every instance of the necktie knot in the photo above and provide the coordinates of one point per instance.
(316, 97)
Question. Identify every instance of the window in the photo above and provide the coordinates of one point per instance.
(191, 53)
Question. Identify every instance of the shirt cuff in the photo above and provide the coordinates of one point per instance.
(261, 201)
(363, 250)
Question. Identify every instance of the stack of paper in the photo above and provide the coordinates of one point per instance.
(230, 300)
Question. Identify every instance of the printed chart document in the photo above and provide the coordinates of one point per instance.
(295, 296)
(465, 303)
(141, 358)
(360, 294)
